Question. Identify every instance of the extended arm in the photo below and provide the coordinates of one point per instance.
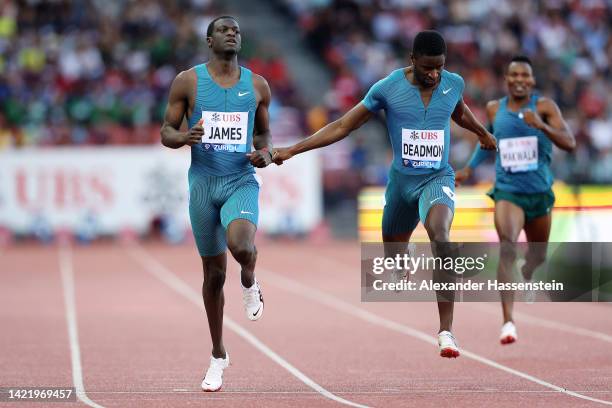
(330, 133)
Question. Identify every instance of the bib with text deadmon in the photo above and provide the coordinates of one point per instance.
(422, 149)
(225, 131)
(519, 154)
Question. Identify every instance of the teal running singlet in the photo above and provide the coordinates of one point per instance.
(420, 137)
(522, 164)
(229, 115)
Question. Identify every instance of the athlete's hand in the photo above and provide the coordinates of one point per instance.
(462, 175)
(487, 142)
(532, 119)
(260, 158)
(194, 135)
(280, 155)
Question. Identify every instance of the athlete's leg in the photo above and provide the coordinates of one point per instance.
(400, 218)
(210, 240)
(436, 210)
(214, 299)
(241, 243)
(509, 220)
(437, 224)
(537, 230)
(239, 216)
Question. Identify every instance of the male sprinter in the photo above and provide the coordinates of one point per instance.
(226, 107)
(526, 126)
(419, 101)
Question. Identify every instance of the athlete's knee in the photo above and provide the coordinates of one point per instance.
(438, 234)
(242, 250)
(535, 257)
(214, 281)
(507, 249)
(214, 277)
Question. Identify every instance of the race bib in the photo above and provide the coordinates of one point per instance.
(519, 154)
(225, 131)
(422, 149)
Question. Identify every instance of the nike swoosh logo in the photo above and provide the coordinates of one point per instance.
(245, 212)
(435, 199)
(446, 91)
(255, 314)
(243, 93)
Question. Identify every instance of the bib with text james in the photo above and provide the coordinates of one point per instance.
(225, 131)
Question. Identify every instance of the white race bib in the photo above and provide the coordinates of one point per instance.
(519, 154)
(225, 131)
(422, 149)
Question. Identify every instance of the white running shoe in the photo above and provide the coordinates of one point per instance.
(253, 301)
(508, 333)
(448, 345)
(214, 376)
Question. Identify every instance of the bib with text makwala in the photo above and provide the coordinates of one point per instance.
(422, 149)
(225, 131)
(519, 154)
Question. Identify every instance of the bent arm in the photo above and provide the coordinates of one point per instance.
(171, 136)
(555, 127)
(261, 136)
(334, 131)
(463, 116)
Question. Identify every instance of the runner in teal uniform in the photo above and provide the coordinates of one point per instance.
(526, 126)
(226, 107)
(419, 102)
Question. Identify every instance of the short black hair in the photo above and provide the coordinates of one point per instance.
(521, 58)
(430, 43)
(211, 26)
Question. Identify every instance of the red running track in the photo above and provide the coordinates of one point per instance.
(143, 336)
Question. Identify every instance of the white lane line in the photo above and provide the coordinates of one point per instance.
(311, 293)
(67, 272)
(551, 324)
(162, 273)
(387, 392)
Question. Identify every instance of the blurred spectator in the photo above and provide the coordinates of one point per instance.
(569, 42)
(98, 72)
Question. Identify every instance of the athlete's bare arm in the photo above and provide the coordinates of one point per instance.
(176, 110)
(463, 116)
(549, 120)
(463, 174)
(262, 141)
(330, 133)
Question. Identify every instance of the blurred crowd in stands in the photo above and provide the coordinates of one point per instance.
(98, 71)
(568, 41)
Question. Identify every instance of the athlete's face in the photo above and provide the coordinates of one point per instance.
(519, 79)
(427, 69)
(225, 37)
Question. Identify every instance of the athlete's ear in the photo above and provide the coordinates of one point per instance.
(209, 42)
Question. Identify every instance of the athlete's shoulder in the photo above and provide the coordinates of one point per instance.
(394, 76)
(262, 87)
(455, 78)
(259, 81)
(544, 101)
(185, 79)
